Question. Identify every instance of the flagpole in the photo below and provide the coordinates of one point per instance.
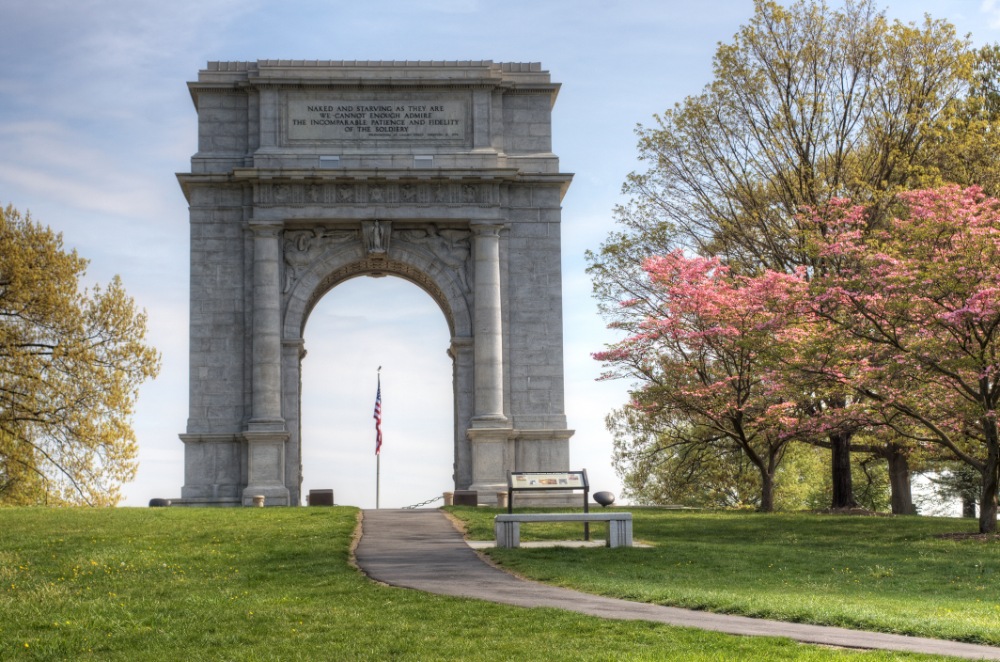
(378, 439)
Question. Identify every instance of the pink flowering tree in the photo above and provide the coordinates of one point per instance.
(920, 301)
(699, 343)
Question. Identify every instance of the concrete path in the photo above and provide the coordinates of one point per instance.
(421, 549)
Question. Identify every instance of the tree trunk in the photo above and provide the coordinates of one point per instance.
(899, 482)
(988, 501)
(840, 464)
(766, 492)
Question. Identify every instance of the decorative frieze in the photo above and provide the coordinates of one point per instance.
(378, 192)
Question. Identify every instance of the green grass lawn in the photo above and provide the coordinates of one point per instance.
(892, 574)
(277, 584)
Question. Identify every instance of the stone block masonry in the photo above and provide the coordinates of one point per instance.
(309, 173)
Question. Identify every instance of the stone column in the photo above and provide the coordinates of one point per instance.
(266, 434)
(463, 379)
(266, 374)
(488, 326)
(293, 351)
(490, 433)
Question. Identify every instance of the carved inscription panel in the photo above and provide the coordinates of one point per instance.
(318, 118)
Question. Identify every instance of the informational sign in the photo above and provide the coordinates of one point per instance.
(527, 481)
(566, 480)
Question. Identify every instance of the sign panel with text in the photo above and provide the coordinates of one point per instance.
(318, 119)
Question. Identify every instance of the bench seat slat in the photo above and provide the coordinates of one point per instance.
(508, 527)
(563, 517)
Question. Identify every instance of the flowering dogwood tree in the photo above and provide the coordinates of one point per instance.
(921, 300)
(700, 352)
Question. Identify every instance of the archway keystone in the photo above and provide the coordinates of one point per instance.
(309, 173)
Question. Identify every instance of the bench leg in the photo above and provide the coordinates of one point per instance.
(508, 534)
(620, 533)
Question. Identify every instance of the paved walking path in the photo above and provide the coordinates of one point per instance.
(421, 549)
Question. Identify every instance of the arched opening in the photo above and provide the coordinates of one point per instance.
(358, 325)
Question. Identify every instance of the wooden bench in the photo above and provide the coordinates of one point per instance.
(507, 528)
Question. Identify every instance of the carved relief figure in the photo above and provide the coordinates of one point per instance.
(282, 193)
(469, 192)
(440, 193)
(345, 193)
(376, 193)
(450, 246)
(376, 237)
(313, 193)
(303, 247)
(408, 193)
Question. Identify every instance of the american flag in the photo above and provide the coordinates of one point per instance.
(378, 417)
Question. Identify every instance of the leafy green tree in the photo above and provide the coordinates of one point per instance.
(664, 463)
(807, 103)
(963, 145)
(71, 363)
(20, 483)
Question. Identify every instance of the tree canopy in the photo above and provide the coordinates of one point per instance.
(71, 362)
(701, 351)
(919, 300)
(808, 104)
(913, 303)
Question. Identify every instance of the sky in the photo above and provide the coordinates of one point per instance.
(96, 119)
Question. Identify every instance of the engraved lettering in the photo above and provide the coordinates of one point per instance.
(317, 120)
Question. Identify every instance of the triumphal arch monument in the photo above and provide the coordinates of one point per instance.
(309, 173)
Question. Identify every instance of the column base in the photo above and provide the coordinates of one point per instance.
(495, 422)
(492, 458)
(266, 425)
(486, 493)
(266, 468)
(274, 495)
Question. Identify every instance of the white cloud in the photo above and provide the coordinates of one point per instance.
(992, 10)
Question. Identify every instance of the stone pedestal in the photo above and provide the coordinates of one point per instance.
(491, 459)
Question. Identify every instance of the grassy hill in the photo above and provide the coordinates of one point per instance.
(912, 575)
(277, 584)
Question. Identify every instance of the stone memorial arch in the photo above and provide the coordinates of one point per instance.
(309, 173)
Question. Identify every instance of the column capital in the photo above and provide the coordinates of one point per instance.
(487, 227)
(266, 228)
(295, 344)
